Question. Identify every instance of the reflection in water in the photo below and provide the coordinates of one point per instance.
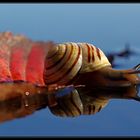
(90, 101)
(79, 101)
(14, 103)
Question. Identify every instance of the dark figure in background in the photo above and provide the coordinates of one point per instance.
(125, 53)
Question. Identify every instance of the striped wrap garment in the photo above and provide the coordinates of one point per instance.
(45, 63)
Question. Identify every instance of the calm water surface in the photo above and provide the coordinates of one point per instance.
(107, 26)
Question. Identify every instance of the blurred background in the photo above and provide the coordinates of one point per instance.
(107, 26)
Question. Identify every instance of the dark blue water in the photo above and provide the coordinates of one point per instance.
(107, 26)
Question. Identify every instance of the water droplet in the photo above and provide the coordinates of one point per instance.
(26, 103)
(27, 93)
